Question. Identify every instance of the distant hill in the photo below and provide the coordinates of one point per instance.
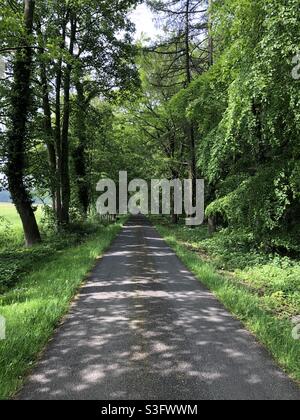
(5, 197)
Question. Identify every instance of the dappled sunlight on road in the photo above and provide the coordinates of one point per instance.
(144, 328)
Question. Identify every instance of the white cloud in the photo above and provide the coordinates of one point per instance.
(143, 18)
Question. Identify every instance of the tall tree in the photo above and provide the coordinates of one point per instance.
(91, 43)
(186, 52)
(80, 150)
(65, 171)
(18, 128)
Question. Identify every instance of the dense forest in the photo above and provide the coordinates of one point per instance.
(213, 95)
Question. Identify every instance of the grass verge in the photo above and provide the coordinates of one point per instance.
(274, 332)
(34, 308)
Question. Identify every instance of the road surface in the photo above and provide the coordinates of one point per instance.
(144, 328)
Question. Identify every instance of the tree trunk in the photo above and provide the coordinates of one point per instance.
(193, 160)
(212, 225)
(187, 44)
(65, 175)
(175, 217)
(191, 130)
(58, 141)
(175, 175)
(65, 172)
(79, 154)
(16, 139)
(49, 134)
(57, 134)
(210, 38)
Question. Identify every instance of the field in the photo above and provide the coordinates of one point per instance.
(11, 226)
(10, 213)
(9, 218)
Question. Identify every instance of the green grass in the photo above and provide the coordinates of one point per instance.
(11, 226)
(260, 290)
(15, 260)
(10, 213)
(36, 304)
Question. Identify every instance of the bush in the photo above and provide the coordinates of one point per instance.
(16, 261)
(265, 204)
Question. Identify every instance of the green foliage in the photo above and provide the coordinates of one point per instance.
(79, 51)
(16, 261)
(264, 204)
(246, 109)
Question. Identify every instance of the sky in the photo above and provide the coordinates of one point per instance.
(143, 19)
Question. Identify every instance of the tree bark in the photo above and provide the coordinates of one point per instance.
(212, 225)
(187, 44)
(49, 133)
(65, 171)
(57, 131)
(191, 130)
(48, 130)
(16, 139)
(79, 154)
(210, 38)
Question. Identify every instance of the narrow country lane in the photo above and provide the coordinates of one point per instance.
(144, 328)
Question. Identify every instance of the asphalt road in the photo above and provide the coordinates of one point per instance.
(144, 328)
